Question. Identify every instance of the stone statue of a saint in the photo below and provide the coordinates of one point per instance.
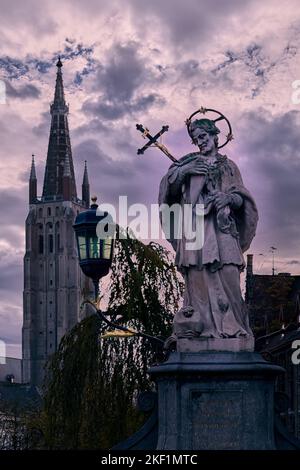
(214, 315)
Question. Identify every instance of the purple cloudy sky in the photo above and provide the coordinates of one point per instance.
(151, 62)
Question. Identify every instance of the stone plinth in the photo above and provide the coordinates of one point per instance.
(215, 344)
(215, 401)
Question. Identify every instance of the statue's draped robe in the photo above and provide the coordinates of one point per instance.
(213, 303)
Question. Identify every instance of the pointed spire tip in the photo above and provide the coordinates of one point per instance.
(32, 170)
(59, 62)
(85, 181)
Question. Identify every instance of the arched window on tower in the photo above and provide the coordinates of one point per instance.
(49, 238)
(41, 244)
(57, 235)
(50, 243)
(49, 212)
(41, 240)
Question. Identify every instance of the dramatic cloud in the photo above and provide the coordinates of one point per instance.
(112, 110)
(120, 81)
(13, 68)
(115, 178)
(123, 74)
(22, 92)
(271, 146)
(154, 63)
(190, 23)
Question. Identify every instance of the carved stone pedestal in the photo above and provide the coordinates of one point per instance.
(215, 344)
(215, 400)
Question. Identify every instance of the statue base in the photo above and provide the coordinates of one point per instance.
(215, 401)
(215, 344)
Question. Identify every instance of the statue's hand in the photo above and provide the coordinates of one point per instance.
(221, 199)
(196, 167)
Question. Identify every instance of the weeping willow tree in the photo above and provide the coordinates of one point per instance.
(92, 383)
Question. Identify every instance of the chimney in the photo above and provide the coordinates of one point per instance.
(249, 265)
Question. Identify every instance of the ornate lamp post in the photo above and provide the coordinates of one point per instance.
(95, 254)
(95, 259)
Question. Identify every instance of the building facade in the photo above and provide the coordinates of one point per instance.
(274, 309)
(280, 347)
(53, 283)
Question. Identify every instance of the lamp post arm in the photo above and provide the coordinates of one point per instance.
(103, 317)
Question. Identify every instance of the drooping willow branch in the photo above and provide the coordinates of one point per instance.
(93, 383)
(124, 329)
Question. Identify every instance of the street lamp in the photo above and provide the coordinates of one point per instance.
(95, 254)
(95, 258)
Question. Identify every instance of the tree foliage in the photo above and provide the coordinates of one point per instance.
(92, 383)
(18, 414)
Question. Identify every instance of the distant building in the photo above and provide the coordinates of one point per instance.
(53, 282)
(10, 370)
(277, 347)
(17, 402)
(274, 310)
(272, 300)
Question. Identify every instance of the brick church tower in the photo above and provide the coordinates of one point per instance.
(53, 282)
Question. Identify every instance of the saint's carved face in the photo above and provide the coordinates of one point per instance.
(204, 140)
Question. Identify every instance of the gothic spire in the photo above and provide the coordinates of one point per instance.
(59, 145)
(59, 95)
(32, 171)
(85, 180)
(85, 187)
(32, 183)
